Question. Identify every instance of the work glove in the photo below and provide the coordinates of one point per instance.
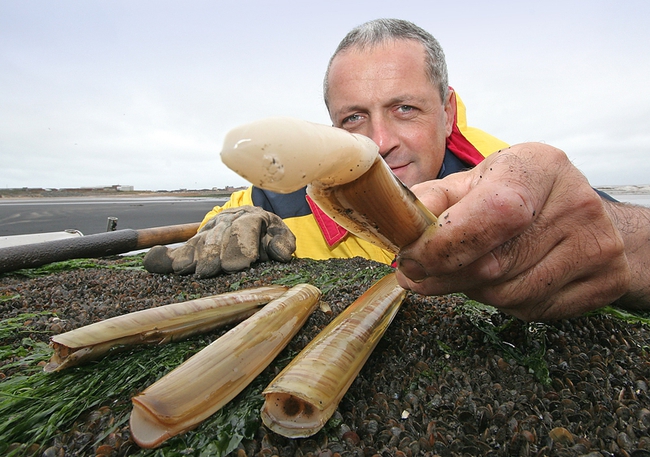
(230, 241)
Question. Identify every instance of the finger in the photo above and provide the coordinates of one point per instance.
(550, 292)
(184, 261)
(486, 218)
(208, 252)
(438, 195)
(540, 242)
(241, 242)
(489, 205)
(278, 242)
(158, 260)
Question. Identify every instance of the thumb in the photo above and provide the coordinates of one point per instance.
(158, 260)
(278, 242)
(440, 194)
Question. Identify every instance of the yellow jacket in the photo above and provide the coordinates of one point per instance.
(318, 237)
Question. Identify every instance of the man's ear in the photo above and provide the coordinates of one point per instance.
(450, 111)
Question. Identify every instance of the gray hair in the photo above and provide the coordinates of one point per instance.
(381, 31)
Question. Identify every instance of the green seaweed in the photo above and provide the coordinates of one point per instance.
(132, 262)
(629, 316)
(531, 354)
(26, 356)
(8, 297)
(327, 278)
(37, 407)
(12, 326)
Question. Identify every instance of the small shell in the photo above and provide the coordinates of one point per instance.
(301, 399)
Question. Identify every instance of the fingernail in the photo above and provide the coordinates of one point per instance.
(411, 269)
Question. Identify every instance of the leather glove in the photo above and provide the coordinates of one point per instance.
(231, 241)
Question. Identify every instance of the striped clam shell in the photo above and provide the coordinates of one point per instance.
(203, 384)
(300, 400)
(156, 325)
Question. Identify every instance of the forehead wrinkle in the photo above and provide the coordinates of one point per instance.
(404, 99)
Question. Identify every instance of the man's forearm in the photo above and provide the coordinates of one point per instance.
(633, 222)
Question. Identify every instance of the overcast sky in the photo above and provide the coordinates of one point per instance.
(142, 93)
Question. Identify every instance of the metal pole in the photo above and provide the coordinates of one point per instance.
(112, 224)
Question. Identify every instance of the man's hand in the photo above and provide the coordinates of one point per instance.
(230, 241)
(522, 231)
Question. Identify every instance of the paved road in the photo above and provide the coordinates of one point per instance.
(90, 215)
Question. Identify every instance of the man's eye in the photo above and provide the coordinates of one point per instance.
(406, 108)
(349, 119)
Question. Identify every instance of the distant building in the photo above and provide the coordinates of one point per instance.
(230, 189)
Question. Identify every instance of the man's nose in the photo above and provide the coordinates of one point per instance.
(384, 135)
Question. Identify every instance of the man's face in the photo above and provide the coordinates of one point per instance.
(385, 94)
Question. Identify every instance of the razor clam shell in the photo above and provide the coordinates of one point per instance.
(343, 172)
(211, 378)
(157, 325)
(300, 400)
(377, 207)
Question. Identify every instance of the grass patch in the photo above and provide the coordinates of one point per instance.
(40, 406)
(326, 278)
(133, 262)
(631, 317)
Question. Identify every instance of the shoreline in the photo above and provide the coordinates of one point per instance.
(625, 190)
(19, 194)
(31, 193)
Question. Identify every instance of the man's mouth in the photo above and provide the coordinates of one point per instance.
(397, 168)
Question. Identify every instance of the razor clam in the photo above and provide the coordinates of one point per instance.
(300, 400)
(343, 172)
(203, 384)
(157, 325)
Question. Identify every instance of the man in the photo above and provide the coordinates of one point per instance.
(523, 230)
(317, 237)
